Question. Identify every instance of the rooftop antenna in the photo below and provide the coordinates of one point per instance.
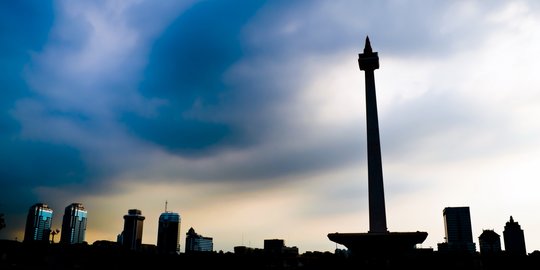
(166, 206)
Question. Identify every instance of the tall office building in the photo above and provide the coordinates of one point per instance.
(73, 224)
(133, 229)
(458, 229)
(196, 242)
(38, 223)
(168, 233)
(490, 242)
(514, 239)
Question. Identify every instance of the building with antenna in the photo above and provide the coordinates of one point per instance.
(168, 232)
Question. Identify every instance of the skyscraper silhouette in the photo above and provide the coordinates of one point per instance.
(490, 242)
(168, 233)
(514, 239)
(458, 230)
(38, 223)
(196, 242)
(73, 224)
(133, 229)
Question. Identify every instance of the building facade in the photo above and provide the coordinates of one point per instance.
(74, 224)
(458, 230)
(196, 242)
(131, 237)
(277, 247)
(274, 246)
(514, 239)
(168, 233)
(490, 242)
(38, 223)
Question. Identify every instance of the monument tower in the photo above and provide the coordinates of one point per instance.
(368, 62)
(378, 239)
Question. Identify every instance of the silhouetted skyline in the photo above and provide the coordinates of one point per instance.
(457, 228)
(253, 113)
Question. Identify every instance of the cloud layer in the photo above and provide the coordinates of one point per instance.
(253, 114)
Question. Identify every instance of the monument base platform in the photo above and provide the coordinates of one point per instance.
(379, 243)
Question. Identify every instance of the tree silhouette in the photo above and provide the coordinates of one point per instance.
(54, 232)
(2, 221)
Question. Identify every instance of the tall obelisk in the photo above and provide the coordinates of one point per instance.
(378, 241)
(368, 62)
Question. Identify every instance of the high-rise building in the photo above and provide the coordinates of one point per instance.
(74, 224)
(490, 242)
(196, 242)
(514, 239)
(133, 229)
(458, 229)
(38, 223)
(168, 233)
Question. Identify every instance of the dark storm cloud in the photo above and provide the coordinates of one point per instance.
(26, 164)
(32, 164)
(209, 106)
(186, 71)
(82, 75)
(24, 27)
(202, 112)
(192, 100)
(399, 28)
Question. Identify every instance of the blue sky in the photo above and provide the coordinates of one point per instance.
(248, 117)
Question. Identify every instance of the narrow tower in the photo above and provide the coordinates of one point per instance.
(368, 62)
(378, 241)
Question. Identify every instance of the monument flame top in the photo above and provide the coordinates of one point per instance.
(368, 60)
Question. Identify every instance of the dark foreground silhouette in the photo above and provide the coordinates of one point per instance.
(107, 255)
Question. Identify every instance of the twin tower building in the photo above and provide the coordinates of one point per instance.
(39, 221)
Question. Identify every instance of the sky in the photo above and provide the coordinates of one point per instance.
(248, 117)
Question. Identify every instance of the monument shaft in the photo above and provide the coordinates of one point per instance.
(378, 242)
(368, 62)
